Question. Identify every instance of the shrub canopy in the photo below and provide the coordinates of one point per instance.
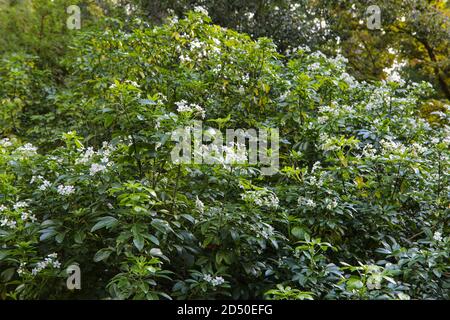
(358, 209)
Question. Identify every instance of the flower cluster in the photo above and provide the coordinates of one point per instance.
(369, 151)
(261, 198)
(302, 201)
(225, 155)
(199, 205)
(89, 155)
(65, 190)
(8, 220)
(49, 261)
(183, 106)
(5, 142)
(96, 168)
(327, 143)
(28, 216)
(389, 145)
(215, 281)
(5, 222)
(20, 204)
(45, 185)
(26, 151)
(21, 270)
(61, 189)
(437, 236)
(201, 10)
(331, 204)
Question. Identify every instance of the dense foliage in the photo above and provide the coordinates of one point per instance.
(413, 35)
(359, 209)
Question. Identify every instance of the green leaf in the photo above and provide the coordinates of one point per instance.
(146, 102)
(79, 237)
(3, 254)
(152, 238)
(354, 283)
(47, 233)
(138, 241)
(102, 254)
(8, 274)
(298, 232)
(156, 252)
(105, 222)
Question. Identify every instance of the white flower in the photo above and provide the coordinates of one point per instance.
(261, 198)
(20, 204)
(369, 151)
(374, 282)
(45, 185)
(8, 223)
(95, 168)
(302, 201)
(199, 205)
(391, 146)
(27, 216)
(5, 142)
(133, 83)
(216, 41)
(314, 66)
(3, 208)
(21, 270)
(348, 79)
(185, 58)
(315, 166)
(65, 190)
(333, 204)
(201, 10)
(86, 157)
(216, 69)
(418, 148)
(249, 15)
(105, 160)
(235, 154)
(322, 119)
(27, 149)
(53, 255)
(174, 20)
(199, 109)
(207, 277)
(435, 140)
(34, 178)
(215, 281)
(437, 236)
(196, 44)
(182, 106)
(50, 260)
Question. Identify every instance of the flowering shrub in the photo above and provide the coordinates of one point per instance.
(358, 210)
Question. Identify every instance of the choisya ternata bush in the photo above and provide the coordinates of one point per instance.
(358, 210)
